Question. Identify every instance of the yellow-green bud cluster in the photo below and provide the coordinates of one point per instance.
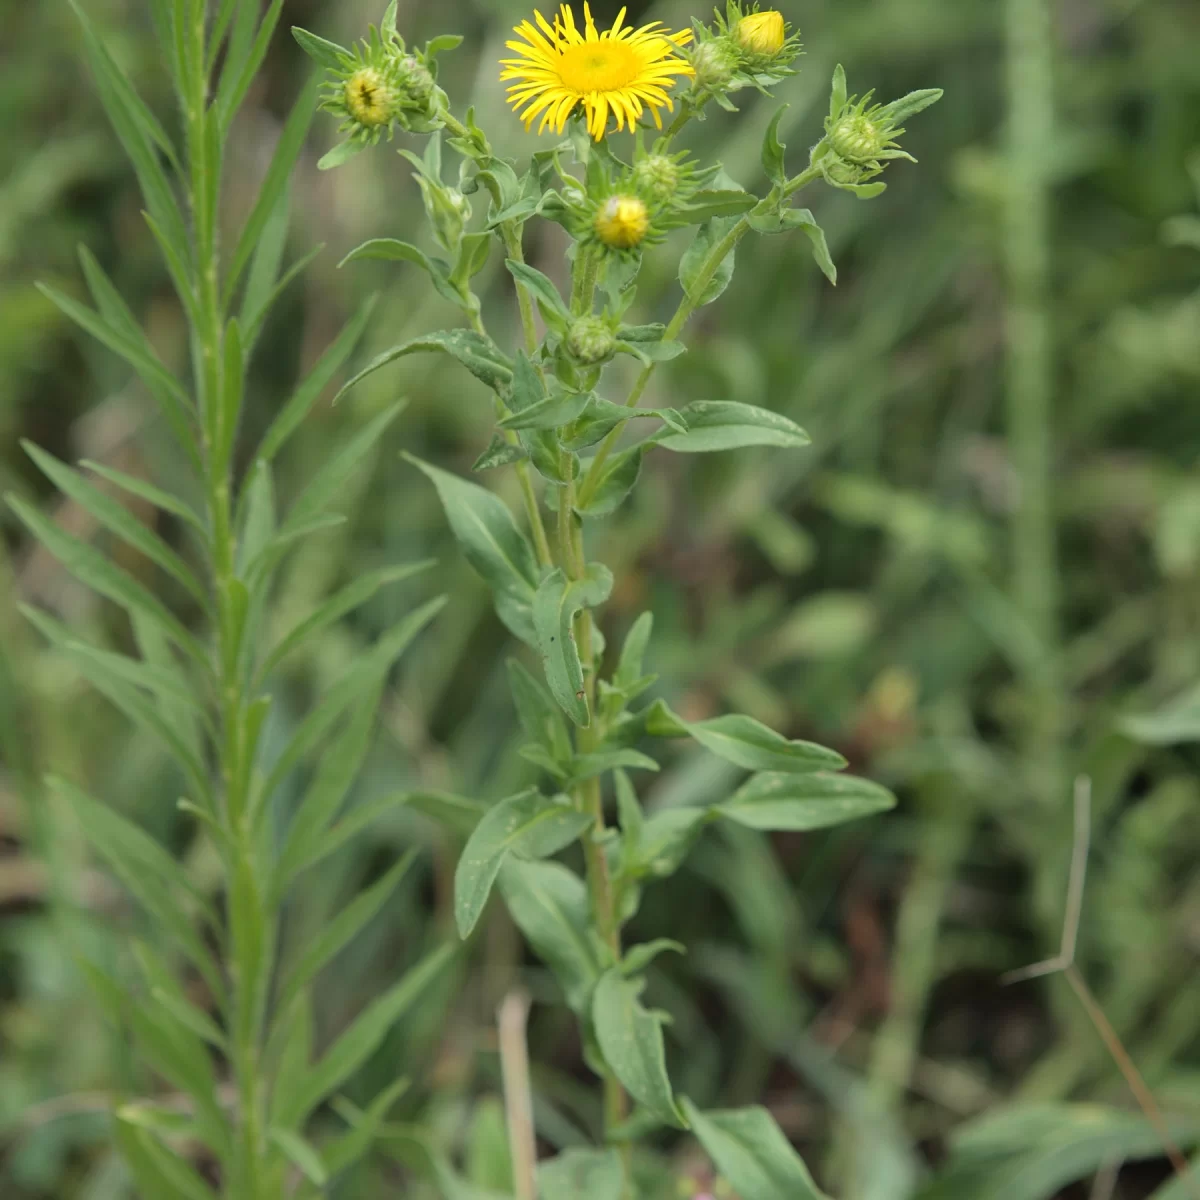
(715, 63)
(378, 85)
(860, 139)
(743, 47)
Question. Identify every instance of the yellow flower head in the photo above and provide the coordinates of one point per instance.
(369, 97)
(622, 71)
(622, 222)
(762, 32)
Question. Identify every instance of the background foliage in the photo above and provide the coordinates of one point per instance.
(857, 593)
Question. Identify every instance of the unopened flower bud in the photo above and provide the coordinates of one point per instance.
(418, 82)
(590, 341)
(371, 98)
(762, 33)
(714, 63)
(857, 138)
(622, 222)
(657, 177)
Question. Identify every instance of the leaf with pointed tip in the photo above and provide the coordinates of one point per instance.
(479, 354)
(630, 1038)
(729, 425)
(752, 1153)
(554, 608)
(549, 904)
(797, 803)
(527, 824)
(492, 544)
(702, 288)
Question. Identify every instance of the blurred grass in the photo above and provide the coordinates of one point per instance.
(859, 593)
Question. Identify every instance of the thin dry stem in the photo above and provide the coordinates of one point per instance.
(511, 1019)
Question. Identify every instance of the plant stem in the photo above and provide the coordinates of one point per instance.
(682, 315)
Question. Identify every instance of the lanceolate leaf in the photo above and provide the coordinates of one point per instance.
(477, 353)
(554, 608)
(527, 824)
(151, 494)
(631, 1041)
(701, 290)
(549, 904)
(802, 802)
(749, 1149)
(492, 544)
(745, 742)
(728, 425)
(394, 250)
(117, 518)
(292, 415)
(360, 1041)
(159, 1171)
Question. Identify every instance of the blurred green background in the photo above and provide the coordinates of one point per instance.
(882, 593)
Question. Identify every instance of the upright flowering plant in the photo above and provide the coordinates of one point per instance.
(615, 101)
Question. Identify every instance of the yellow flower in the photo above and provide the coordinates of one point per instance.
(622, 222)
(622, 71)
(762, 32)
(369, 97)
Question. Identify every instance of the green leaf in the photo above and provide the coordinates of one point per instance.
(541, 287)
(666, 839)
(293, 413)
(151, 494)
(616, 481)
(353, 596)
(137, 352)
(274, 186)
(554, 608)
(499, 453)
(550, 906)
(488, 1154)
(599, 762)
(492, 544)
(479, 354)
(139, 132)
(343, 152)
(898, 111)
(728, 425)
(147, 871)
(773, 150)
(528, 824)
(323, 53)
(631, 1041)
(159, 1171)
(540, 717)
(837, 93)
(192, 1018)
(582, 1173)
(394, 250)
(802, 802)
(300, 1154)
(706, 204)
(240, 69)
(750, 1151)
(334, 473)
(363, 676)
(550, 412)
(89, 566)
(119, 681)
(342, 1152)
(1174, 723)
(692, 266)
(801, 218)
(340, 765)
(363, 1037)
(457, 813)
(745, 742)
(256, 305)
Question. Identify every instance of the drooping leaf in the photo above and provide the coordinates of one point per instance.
(527, 824)
(541, 287)
(479, 354)
(773, 150)
(802, 802)
(554, 608)
(729, 425)
(702, 283)
(549, 904)
(300, 1154)
(751, 1151)
(394, 250)
(492, 544)
(631, 1040)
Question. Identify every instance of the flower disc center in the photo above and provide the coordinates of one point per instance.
(604, 66)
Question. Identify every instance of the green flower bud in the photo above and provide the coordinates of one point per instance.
(714, 62)
(856, 138)
(590, 341)
(657, 177)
